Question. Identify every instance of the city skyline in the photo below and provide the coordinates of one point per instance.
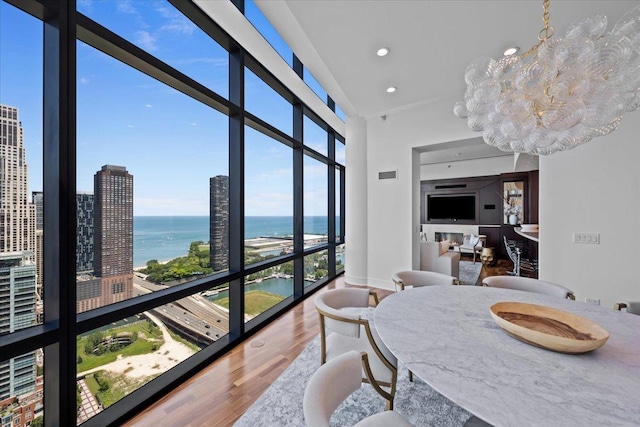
(150, 120)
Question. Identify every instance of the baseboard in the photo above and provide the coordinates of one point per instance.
(382, 284)
(351, 280)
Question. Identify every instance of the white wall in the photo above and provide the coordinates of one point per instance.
(477, 167)
(393, 206)
(356, 215)
(593, 188)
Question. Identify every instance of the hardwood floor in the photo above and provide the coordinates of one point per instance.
(222, 392)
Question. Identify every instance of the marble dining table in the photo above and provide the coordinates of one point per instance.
(446, 336)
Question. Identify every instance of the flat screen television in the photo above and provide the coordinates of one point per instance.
(451, 207)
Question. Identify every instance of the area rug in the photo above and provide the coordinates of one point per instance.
(469, 272)
(281, 404)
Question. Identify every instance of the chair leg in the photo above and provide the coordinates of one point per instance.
(410, 376)
(389, 405)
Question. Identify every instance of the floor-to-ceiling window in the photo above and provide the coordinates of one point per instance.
(177, 197)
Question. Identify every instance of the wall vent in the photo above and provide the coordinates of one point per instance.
(388, 175)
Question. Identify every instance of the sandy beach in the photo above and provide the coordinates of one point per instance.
(144, 365)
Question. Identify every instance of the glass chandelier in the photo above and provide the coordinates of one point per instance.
(560, 93)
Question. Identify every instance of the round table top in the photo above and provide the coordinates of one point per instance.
(446, 336)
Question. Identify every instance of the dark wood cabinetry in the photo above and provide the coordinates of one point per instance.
(485, 190)
(490, 213)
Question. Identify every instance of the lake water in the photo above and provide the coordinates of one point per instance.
(166, 237)
(275, 285)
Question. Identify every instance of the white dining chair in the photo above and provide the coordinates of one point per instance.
(333, 382)
(529, 285)
(343, 329)
(632, 307)
(417, 278)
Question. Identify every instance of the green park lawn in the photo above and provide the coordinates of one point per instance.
(139, 346)
(255, 302)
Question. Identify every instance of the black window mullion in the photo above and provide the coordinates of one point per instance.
(236, 192)
(343, 201)
(331, 104)
(298, 190)
(239, 4)
(59, 135)
(298, 201)
(331, 220)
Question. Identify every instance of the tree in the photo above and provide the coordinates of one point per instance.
(93, 341)
(287, 268)
(78, 398)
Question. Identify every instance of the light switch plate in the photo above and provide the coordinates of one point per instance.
(588, 238)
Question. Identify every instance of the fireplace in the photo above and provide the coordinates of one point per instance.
(451, 237)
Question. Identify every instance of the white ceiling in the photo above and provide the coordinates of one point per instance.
(431, 43)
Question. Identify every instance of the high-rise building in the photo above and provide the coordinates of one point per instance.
(219, 222)
(84, 234)
(18, 311)
(17, 246)
(113, 232)
(17, 214)
(37, 198)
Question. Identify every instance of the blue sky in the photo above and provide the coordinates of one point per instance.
(172, 144)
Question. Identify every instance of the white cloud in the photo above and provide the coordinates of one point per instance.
(146, 41)
(125, 6)
(315, 202)
(269, 204)
(148, 105)
(320, 147)
(129, 126)
(315, 170)
(194, 124)
(176, 22)
(84, 80)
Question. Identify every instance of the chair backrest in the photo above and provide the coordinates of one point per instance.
(329, 386)
(511, 249)
(330, 303)
(479, 240)
(632, 307)
(529, 285)
(417, 278)
(434, 249)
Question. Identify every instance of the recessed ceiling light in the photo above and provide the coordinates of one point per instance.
(391, 89)
(382, 51)
(510, 51)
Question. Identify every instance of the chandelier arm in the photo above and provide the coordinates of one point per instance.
(545, 33)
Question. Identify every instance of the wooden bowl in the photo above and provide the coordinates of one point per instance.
(549, 328)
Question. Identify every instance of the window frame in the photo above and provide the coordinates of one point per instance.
(63, 26)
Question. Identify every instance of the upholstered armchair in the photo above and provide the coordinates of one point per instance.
(472, 244)
(528, 284)
(632, 307)
(343, 328)
(435, 256)
(415, 279)
(330, 385)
